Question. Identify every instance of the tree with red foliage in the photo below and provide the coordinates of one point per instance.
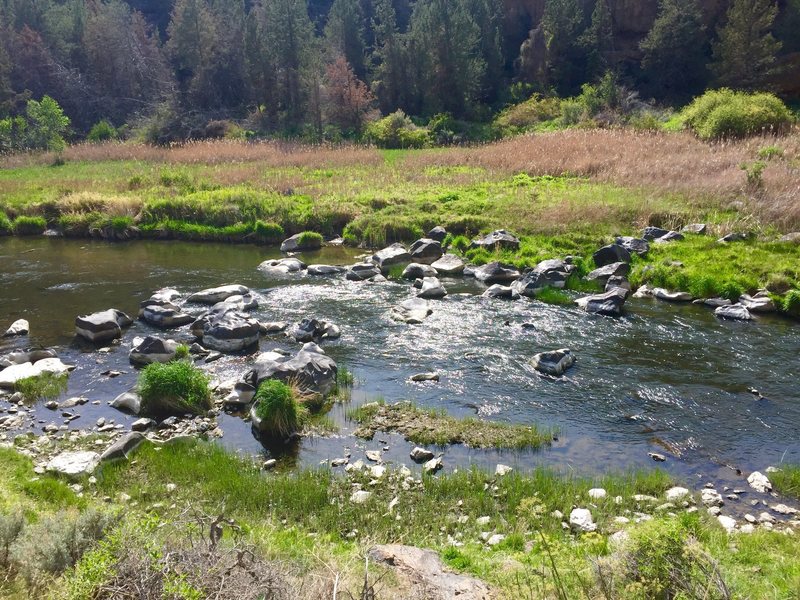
(348, 100)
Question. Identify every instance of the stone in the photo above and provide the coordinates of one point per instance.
(418, 271)
(432, 288)
(501, 470)
(324, 270)
(495, 539)
(123, 446)
(218, 294)
(438, 234)
(670, 236)
(11, 375)
(602, 274)
(634, 245)
(759, 482)
(618, 282)
(613, 253)
(164, 315)
(272, 328)
(396, 254)
(129, 401)
(424, 574)
(102, 326)
(548, 273)
(432, 465)
(676, 493)
(152, 349)
(301, 243)
(420, 455)
(281, 267)
(496, 272)
(609, 303)
(420, 377)
(501, 291)
(711, 497)
(500, 239)
(714, 302)
(425, 251)
(793, 237)
(695, 228)
(74, 464)
(728, 523)
(143, 424)
(310, 330)
(360, 497)
(667, 296)
(554, 362)
(412, 311)
(653, 233)
(782, 509)
(18, 327)
(580, 519)
(362, 272)
(657, 457)
(597, 493)
(757, 304)
(733, 237)
(734, 312)
(227, 330)
(311, 371)
(270, 464)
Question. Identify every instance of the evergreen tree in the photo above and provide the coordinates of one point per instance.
(598, 40)
(674, 50)
(488, 15)
(389, 75)
(192, 37)
(344, 34)
(564, 60)
(745, 50)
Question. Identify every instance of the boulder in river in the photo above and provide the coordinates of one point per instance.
(227, 330)
(324, 270)
(311, 371)
(613, 253)
(548, 273)
(362, 272)
(412, 311)
(449, 264)
(301, 243)
(281, 267)
(11, 375)
(496, 272)
(758, 303)
(438, 234)
(602, 275)
(419, 271)
(152, 349)
(18, 327)
(164, 315)
(432, 288)
(668, 296)
(618, 282)
(734, 312)
(553, 362)
(218, 294)
(501, 291)
(425, 251)
(610, 303)
(128, 401)
(312, 330)
(396, 254)
(500, 239)
(102, 326)
(634, 245)
(20, 357)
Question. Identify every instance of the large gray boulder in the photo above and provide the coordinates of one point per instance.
(554, 362)
(18, 327)
(425, 251)
(653, 233)
(613, 253)
(634, 245)
(758, 303)
(432, 288)
(123, 446)
(227, 330)
(500, 239)
(311, 371)
(362, 272)
(496, 272)
(281, 267)
(412, 311)
(129, 402)
(548, 273)
(419, 271)
(501, 291)
(324, 270)
(396, 254)
(610, 303)
(102, 326)
(312, 330)
(601, 275)
(449, 264)
(734, 312)
(20, 357)
(218, 294)
(438, 233)
(16, 372)
(151, 349)
(296, 244)
(164, 315)
(667, 296)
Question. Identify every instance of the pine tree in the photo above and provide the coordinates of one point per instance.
(344, 34)
(192, 37)
(674, 50)
(745, 50)
(488, 15)
(598, 40)
(389, 73)
(564, 59)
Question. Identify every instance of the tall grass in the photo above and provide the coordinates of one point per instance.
(177, 387)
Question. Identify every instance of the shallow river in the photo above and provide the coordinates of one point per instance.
(665, 378)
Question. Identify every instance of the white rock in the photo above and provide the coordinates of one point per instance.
(495, 539)
(676, 493)
(711, 497)
(759, 482)
(597, 493)
(765, 517)
(728, 523)
(360, 497)
(501, 470)
(432, 465)
(483, 520)
(73, 464)
(782, 509)
(373, 455)
(580, 519)
(747, 528)
(377, 471)
(18, 327)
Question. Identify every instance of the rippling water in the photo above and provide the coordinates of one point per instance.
(666, 378)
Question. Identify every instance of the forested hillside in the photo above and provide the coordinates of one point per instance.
(175, 69)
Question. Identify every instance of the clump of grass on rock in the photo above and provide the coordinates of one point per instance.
(276, 412)
(24, 225)
(177, 387)
(46, 386)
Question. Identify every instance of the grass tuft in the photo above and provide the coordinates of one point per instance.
(46, 386)
(277, 409)
(177, 387)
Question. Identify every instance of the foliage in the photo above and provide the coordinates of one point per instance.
(786, 480)
(182, 352)
(310, 239)
(725, 113)
(102, 131)
(48, 124)
(24, 225)
(791, 303)
(396, 131)
(268, 233)
(46, 386)
(277, 409)
(177, 386)
(6, 226)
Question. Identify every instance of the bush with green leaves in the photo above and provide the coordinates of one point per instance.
(397, 131)
(24, 225)
(791, 303)
(725, 113)
(5, 224)
(176, 387)
(47, 125)
(103, 131)
(310, 239)
(277, 411)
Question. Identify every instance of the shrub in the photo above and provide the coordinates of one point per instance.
(725, 113)
(46, 386)
(277, 409)
(459, 243)
(10, 527)
(5, 224)
(397, 131)
(175, 387)
(528, 114)
(791, 303)
(102, 131)
(182, 352)
(29, 225)
(121, 224)
(268, 232)
(310, 239)
(770, 152)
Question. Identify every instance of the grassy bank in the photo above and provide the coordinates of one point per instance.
(305, 532)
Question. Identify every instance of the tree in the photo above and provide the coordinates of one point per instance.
(192, 39)
(564, 61)
(344, 33)
(389, 73)
(598, 40)
(673, 60)
(48, 124)
(745, 50)
(488, 15)
(347, 99)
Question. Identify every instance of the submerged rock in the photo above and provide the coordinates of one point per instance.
(152, 349)
(553, 362)
(412, 311)
(18, 327)
(324, 270)
(218, 294)
(420, 377)
(500, 239)
(449, 264)
(735, 312)
(610, 303)
(548, 273)
(425, 251)
(102, 326)
(396, 254)
(496, 272)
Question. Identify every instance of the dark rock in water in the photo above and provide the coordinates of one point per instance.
(758, 303)
(618, 282)
(152, 349)
(123, 446)
(634, 245)
(362, 272)
(311, 371)
(449, 264)
(613, 253)
(653, 233)
(496, 272)
(419, 271)
(603, 274)
(227, 330)
(437, 234)
(432, 288)
(554, 362)
(548, 273)
(609, 303)
(311, 330)
(421, 455)
(735, 312)
(412, 311)
(733, 237)
(293, 244)
(281, 267)
(396, 254)
(102, 326)
(421, 377)
(425, 251)
(218, 294)
(501, 291)
(128, 401)
(165, 315)
(695, 228)
(501, 239)
(324, 270)
(670, 236)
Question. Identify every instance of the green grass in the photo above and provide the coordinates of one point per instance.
(310, 239)
(6, 226)
(554, 296)
(787, 480)
(177, 387)
(46, 386)
(24, 225)
(278, 410)
(436, 427)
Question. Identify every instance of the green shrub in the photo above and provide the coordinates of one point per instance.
(397, 131)
(5, 224)
(310, 239)
(24, 225)
(727, 114)
(121, 224)
(528, 114)
(102, 131)
(791, 303)
(770, 152)
(176, 387)
(276, 407)
(46, 386)
(182, 352)
(268, 232)
(459, 243)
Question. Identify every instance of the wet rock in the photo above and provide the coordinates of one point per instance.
(152, 349)
(662, 294)
(412, 311)
(711, 497)
(580, 519)
(420, 377)
(496, 272)
(438, 234)
(419, 271)
(311, 371)
(241, 395)
(618, 282)
(11, 375)
(18, 327)
(423, 572)
(634, 245)
(548, 273)
(396, 254)
(501, 291)
(449, 264)
(324, 270)
(240, 303)
(432, 289)
(613, 253)
(425, 251)
(735, 312)
(420, 455)
(227, 330)
(74, 464)
(123, 446)
(433, 465)
(713, 302)
(500, 239)
(670, 236)
(165, 315)
(602, 274)
(657, 457)
(312, 330)
(143, 424)
(554, 362)
(695, 228)
(300, 243)
(218, 294)
(610, 303)
(102, 326)
(362, 272)
(128, 401)
(733, 237)
(757, 303)
(281, 267)
(759, 482)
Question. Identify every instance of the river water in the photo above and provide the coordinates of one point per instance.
(664, 378)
